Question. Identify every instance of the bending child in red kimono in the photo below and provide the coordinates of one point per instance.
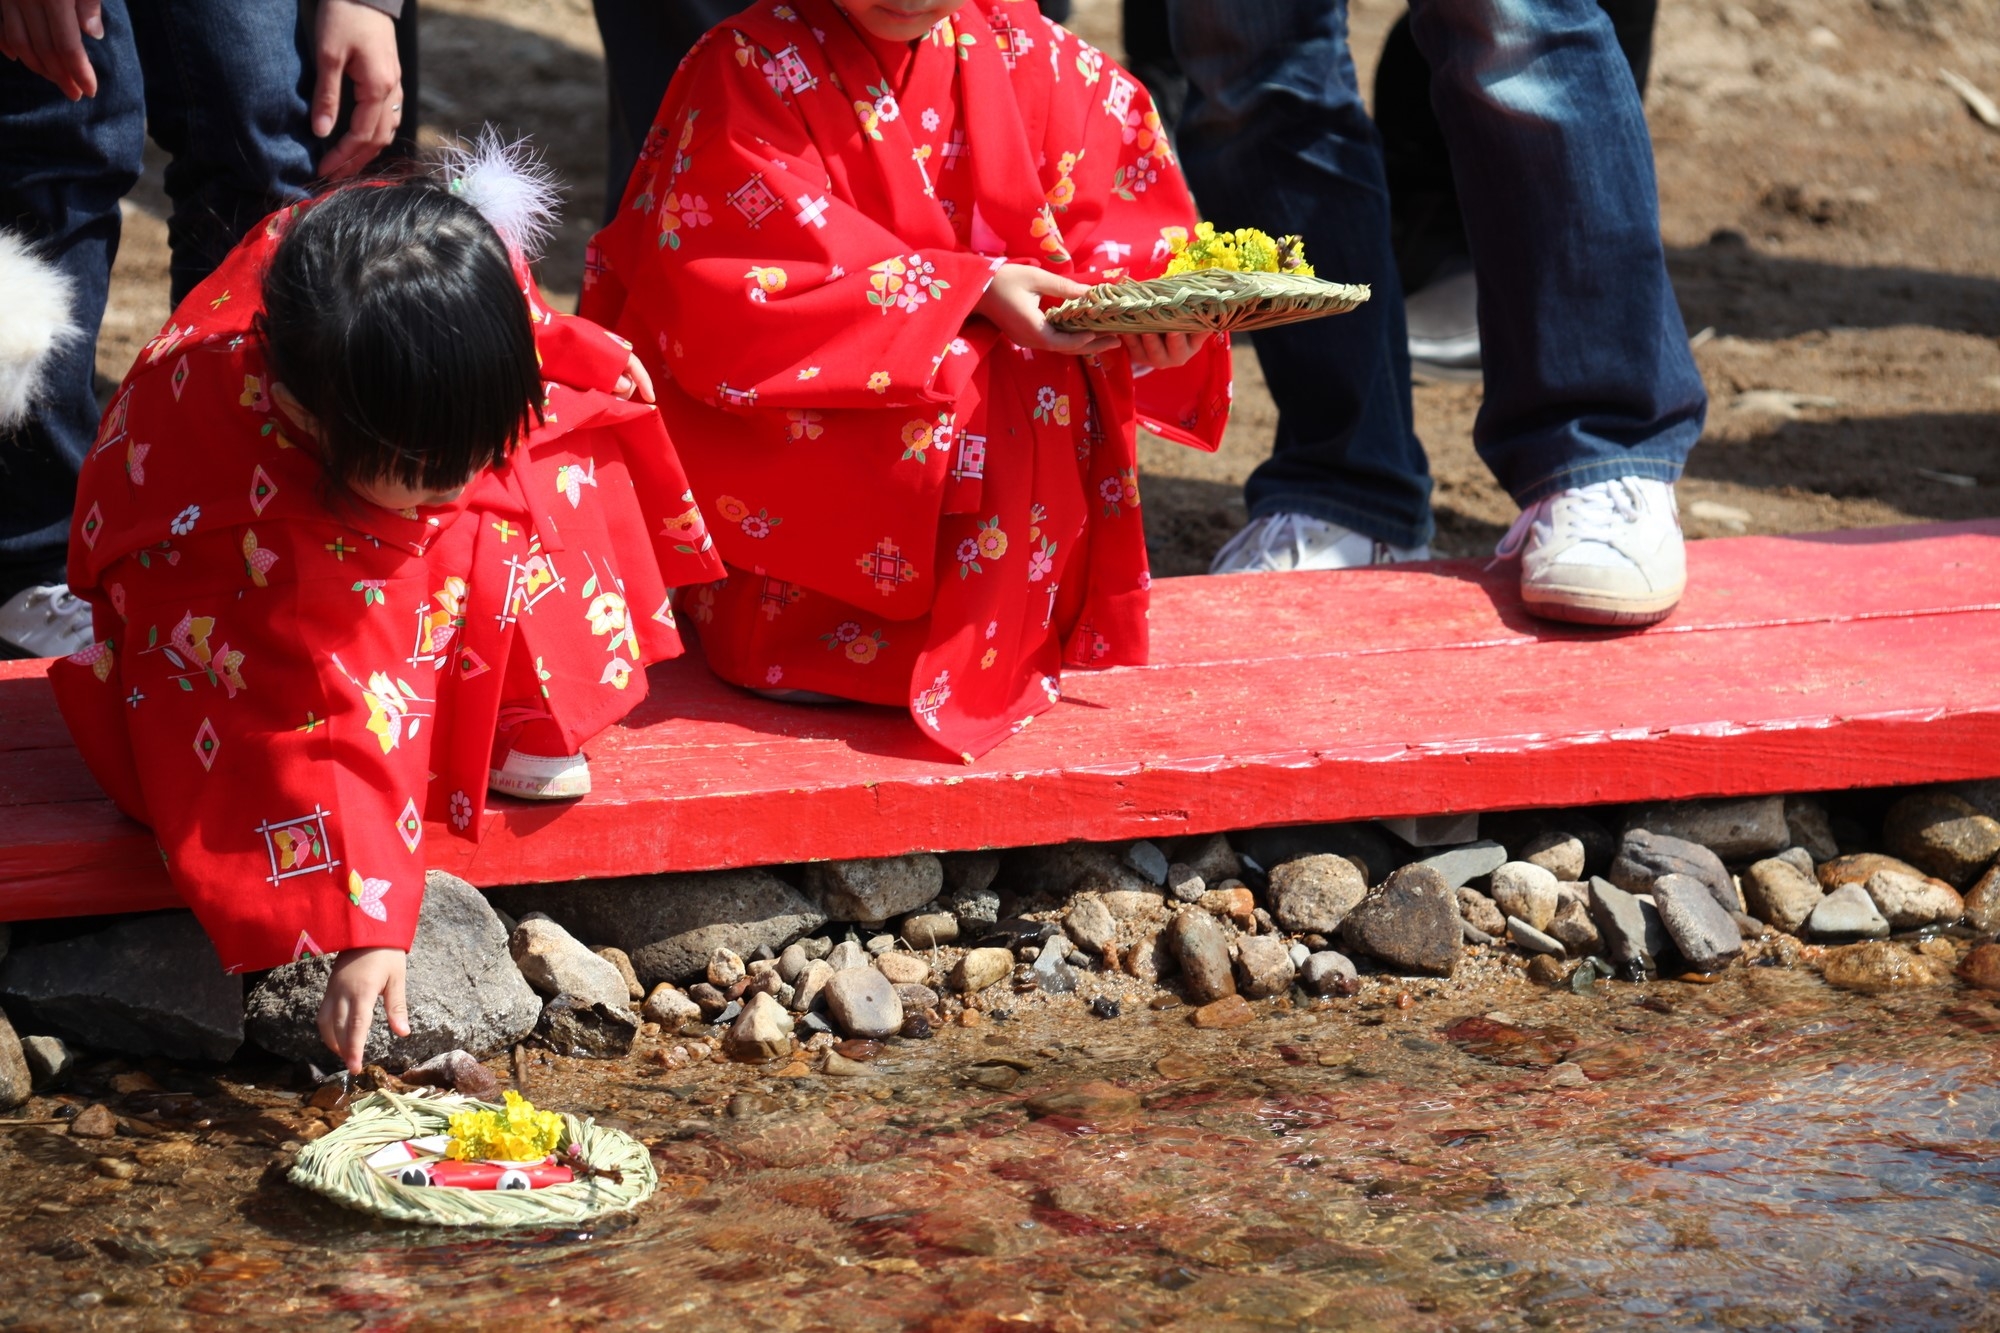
(834, 255)
(364, 506)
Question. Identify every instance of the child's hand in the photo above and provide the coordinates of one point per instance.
(635, 380)
(1163, 351)
(1013, 301)
(348, 1009)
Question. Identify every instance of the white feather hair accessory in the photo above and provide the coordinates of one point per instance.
(36, 301)
(510, 185)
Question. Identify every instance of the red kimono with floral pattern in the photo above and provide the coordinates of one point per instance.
(913, 510)
(289, 684)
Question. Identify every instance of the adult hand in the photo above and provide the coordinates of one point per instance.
(347, 1010)
(635, 380)
(357, 42)
(1163, 351)
(47, 36)
(1013, 301)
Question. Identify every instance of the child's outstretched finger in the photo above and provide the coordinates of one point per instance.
(395, 1002)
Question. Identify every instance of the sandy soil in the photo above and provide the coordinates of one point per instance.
(1828, 205)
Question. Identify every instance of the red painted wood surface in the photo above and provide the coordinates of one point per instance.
(1795, 663)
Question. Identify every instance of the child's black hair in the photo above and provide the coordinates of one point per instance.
(392, 314)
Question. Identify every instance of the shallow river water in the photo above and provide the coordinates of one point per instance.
(1763, 1152)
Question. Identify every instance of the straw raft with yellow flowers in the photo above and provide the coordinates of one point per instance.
(1215, 282)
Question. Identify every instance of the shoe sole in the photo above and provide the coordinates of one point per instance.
(1591, 609)
(558, 789)
(1436, 372)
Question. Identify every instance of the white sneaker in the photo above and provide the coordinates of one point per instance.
(1443, 320)
(1605, 554)
(1298, 541)
(536, 777)
(46, 620)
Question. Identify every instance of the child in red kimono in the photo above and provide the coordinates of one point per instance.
(834, 254)
(363, 506)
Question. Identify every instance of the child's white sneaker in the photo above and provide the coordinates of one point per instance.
(537, 777)
(1298, 541)
(1610, 553)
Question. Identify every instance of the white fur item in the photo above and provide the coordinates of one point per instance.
(511, 186)
(35, 319)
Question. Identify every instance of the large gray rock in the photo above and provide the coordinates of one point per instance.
(556, 963)
(1644, 856)
(863, 1003)
(1735, 830)
(1264, 967)
(872, 890)
(1528, 891)
(149, 986)
(1462, 865)
(1705, 934)
(1847, 913)
(17, 1081)
(1943, 835)
(1779, 894)
(1810, 827)
(1410, 921)
(1621, 921)
(464, 991)
(1312, 895)
(1911, 902)
(1202, 950)
(669, 925)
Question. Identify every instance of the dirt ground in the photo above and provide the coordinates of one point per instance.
(1829, 207)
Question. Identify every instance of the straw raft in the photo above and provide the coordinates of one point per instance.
(1206, 301)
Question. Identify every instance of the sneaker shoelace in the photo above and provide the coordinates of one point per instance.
(63, 604)
(1597, 514)
(1270, 533)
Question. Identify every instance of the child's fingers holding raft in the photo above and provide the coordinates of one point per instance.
(1164, 351)
(635, 380)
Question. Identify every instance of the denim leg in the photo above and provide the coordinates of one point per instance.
(63, 168)
(226, 96)
(1275, 136)
(1588, 373)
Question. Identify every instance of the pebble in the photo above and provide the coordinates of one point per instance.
(621, 960)
(707, 999)
(846, 954)
(1215, 860)
(556, 963)
(19, 1076)
(1735, 830)
(816, 946)
(1982, 903)
(1410, 921)
(1103, 1006)
(1567, 1075)
(1133, 904)
(792, 962)
(725, 968)
(1184, 885)
(880, 944)
(858, 1048)
(1573, 926)
(1329, 973)
(1147, 858)
(903, 969)
(1908, 902)
(1621, 922)
(1810, 828)
(763, 1031)
(1700, 928)
(980, 968)
(975, 908)
(1090, 923)
(1776, 890)
(1750, 926)
(1981, 968)
(928, 930)
(1526, 892)
(1534, 941)
(1800, 858)
(862, 1003)
(460, 1072)
(1202, 951)
(1480, 912)
(1856, 867)
(1314, 894)
(1150, 956)
(1545, 970)
(1556, 851)
(1264, 967)
(1462, 865)
(116, 1168)
(1876, 966)
(1085, 1101)
(916, 999)
(1298, 953)
(840, 1066)
(49, 1060)
(1051, 970)
(1228, 1012)
(1233, 900)
(1845, 913)
(811, 986)
(94, 1122)
(1644, 856)
(1942, 834)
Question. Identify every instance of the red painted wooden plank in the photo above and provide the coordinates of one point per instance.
(1796, 663)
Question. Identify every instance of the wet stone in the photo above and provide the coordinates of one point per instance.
(1846, 913)
(1093, 1100)
(862, 1003)
(1545, 970)
(1150, 956)
(1410, 922)
(1981, 968)
(903, 969)
(1184, 885)
(1314, 894)
(1810, 830)
(1705, 934)
(1527, 937)
(763, 1031)
(457, 1071)
(917, 999)
(1735, 830)
(873, 889)
(1982, 903)
(1462, 865)
(980, 968)
(597, 1031)
(1481, 912)
(1558, 852)
(1051, 970)
(1202, 950)
(1228, 1012)
(1877, 966)
(1148, 860)
(929, 930)
(1526, 892)
(1329, 973)
(1908, 902)
(1777, 891)
(1263, 967)
(1091, 924)
(841, 1066)
(94, 1122)
(1644, 856)
(1621, 922)
(1942, 834)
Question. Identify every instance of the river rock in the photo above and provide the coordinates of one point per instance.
(456, 1071)
(1213, 860)
(1090, 923)
(669, 925)
(903, 969)
(846, 954)
(810, 989)
(1051, 970)
(1150, 956)
(1621, 921)
(1374, 852)
(725, 967)
(792, 961)
(1133, 904)
(1263, 967)
(556, 963)
(1314, 894)
(1059, 871)
(669, 1007)
(1911, 902)
(1230, 1011)
(1480, 912)
(980, 968)
(1644, 856)
(816, 947)
(930, 929)
(1981, 968)
(1148, 860)
(147, 986)
(1846, 913)
(50, 1061)
(1876, 966)
(1558, 852)
(591, 1031)
(1810, 828)
(1527, 891)
(1527, 937)
(1202, 950)
(763, 1031)
(619, 959)
(1184, 884)
(1330, 973)
(1776, 891)
(1410, 921)
(1942, 834)
(1573, 927)
(1703, 932)
(1735, 830)
(17, 1081)
(873, 889)
(1462, 865)
(863, 1003)
(969, 873)
(1982, 903)
(1085, 1101)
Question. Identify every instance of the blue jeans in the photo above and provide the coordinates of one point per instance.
(1588, 373)
(222, 88)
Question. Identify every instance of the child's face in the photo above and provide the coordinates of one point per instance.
(900, 20)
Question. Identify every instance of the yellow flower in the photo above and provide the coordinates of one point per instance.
(879, 381)
(518, 1133)
(1245, 250)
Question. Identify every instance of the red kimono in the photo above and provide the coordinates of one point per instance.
(290, 685)
(913, 510)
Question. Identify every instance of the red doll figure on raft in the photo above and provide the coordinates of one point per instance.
(367, 529)
(834, 256)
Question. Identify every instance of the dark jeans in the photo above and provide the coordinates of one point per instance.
(222, 88)
(1588, 374)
